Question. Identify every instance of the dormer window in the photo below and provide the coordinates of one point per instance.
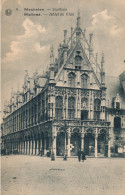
(117, 105)
(71, 79)
(117, 102)
(84, 81)
(78, 61)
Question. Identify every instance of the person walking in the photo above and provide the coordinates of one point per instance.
(79, 155)
(83, 155)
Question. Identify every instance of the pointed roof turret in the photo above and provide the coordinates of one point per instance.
(78, 29)
(102, 63)
(78, 20)
(51, 55)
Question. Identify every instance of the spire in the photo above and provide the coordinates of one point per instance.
(102, 70)
(78, 29)
(102, 63)
(51, 55)
(96, 63)
(51, 64)
(71, 35)
(65, 37)
(91, 41)
(78, 19)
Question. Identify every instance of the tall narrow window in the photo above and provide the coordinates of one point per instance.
(97, 105)
(97, 109)
(84, 81)
(71, 79)
(59, 107)
(78, 60)
(117, 105)
(117, 122)
(71, 107)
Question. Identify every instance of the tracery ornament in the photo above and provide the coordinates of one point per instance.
(97, 94)
(89, 131)
(71, 92)
(84, 93)
(76, 129)
(59, 91)
(103, 94)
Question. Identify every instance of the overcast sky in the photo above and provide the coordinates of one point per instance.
(26, 40)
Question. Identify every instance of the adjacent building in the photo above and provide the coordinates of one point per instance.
(67, 108)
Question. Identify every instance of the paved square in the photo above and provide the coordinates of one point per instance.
(34, 175)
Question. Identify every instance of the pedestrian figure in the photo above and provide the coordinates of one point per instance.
(83, 155)
(79, 155)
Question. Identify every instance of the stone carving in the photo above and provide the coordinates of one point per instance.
(97, 94)
(84, 93)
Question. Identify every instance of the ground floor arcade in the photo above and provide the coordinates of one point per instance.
(60, 139)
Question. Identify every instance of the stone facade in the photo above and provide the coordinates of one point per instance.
(65, 108)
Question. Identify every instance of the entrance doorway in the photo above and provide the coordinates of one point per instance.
(102, 145)
(89, 146)
(60, 142)
(76, 143)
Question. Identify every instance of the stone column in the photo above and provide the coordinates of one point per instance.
(44, 145)
(69, 136)
(82, 141)
(54, 134)
(109, 152)
(34, 147)
(37, 150)
(96, 137)
(25, 148)
(54, 145)
(41, 143)
(31, 146)
(19, 146)
(12, 146)
(22, 147)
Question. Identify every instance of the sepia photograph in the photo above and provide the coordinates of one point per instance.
(62, 97)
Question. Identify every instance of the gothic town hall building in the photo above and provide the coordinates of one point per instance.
(66, 108)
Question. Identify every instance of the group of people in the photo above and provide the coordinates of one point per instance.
(81, 155)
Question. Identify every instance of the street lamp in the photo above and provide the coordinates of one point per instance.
(65, 129)
(53, 137)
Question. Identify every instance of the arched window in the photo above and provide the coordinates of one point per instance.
(78, 60)
(71, 79)
(97, 105)
(97, 109)
(84, 81)
(59, 107)
(71, 107)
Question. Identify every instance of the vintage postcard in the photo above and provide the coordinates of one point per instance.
(63, 97)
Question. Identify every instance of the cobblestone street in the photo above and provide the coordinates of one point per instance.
(34, 175)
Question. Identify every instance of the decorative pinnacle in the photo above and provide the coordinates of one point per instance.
(96, 57)
(51, 55)
(102, 62)
(78, 19)
(65, 37)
